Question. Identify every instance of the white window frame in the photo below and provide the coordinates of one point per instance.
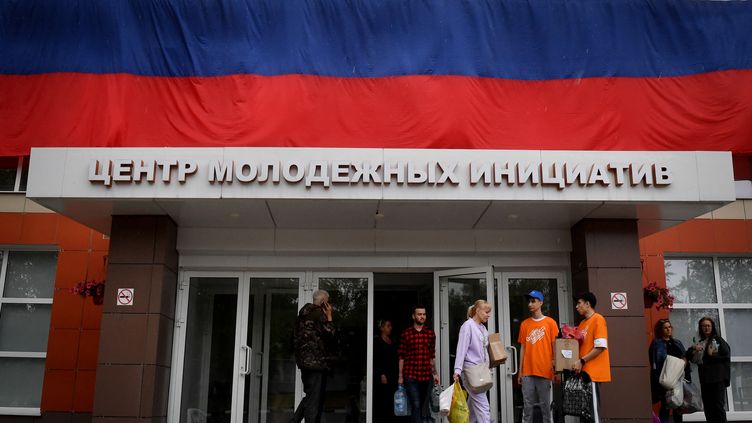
(5, 252)
(721, 307)
(19, 176)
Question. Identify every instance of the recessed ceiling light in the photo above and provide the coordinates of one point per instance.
(512, 217)
(234, 215)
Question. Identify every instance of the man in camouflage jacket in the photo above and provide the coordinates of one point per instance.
(314, 331)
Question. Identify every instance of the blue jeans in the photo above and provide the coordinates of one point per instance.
(417, 393)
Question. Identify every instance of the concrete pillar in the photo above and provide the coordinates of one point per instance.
(606, 259)
(135, 347)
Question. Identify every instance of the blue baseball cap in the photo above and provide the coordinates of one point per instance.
(535, 294)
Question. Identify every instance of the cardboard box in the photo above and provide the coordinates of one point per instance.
(497, 354)
(566, 353)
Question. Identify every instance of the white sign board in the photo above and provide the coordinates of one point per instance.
(124, 297)
(389, 174)
(619, 301)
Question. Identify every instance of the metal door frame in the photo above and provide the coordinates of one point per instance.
(178, 349)
(441, 325)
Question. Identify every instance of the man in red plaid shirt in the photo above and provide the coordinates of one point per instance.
(417, 363)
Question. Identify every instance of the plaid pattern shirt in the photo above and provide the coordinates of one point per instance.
(417, 349)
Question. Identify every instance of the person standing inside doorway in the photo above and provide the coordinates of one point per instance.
(594, 358)
(385, 370)
(314, 332)
(537, 336)
(417, 363)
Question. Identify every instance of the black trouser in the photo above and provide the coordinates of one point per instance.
(714, 401)
(383, 400)
(312, 405)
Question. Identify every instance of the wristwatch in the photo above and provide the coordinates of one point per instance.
(582, 361)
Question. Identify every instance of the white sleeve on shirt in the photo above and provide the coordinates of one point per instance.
(601, 343)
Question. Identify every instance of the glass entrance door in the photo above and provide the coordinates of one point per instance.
(457, 290)
(348, 397)
(514, 310)
(234, 360)
(233, 356)
(207, 338)
(268, 371)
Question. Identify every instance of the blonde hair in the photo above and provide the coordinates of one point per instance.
(474, 308)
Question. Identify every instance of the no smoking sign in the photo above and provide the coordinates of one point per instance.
(619, 301)
(125, 296)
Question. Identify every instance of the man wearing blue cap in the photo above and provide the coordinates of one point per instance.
(537, 336)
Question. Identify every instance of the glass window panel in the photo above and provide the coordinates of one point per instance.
(691, 280)
(736, 334)
(27, 375)
(24, 174)
(741, 386)
(736, 279)
(8, 168)
(345, 388)
(684, 322)
(30, 274)
(24, 327)
(272, 313)
(463, 291)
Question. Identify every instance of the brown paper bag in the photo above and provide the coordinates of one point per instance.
(497, 354)
(566, 353)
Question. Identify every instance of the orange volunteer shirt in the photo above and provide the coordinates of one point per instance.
(596, 335)
(537, 337)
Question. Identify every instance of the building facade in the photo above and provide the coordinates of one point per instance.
(216, 165)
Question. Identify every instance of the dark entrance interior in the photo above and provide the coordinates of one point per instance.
(395, 294)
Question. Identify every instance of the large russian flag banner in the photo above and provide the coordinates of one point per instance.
(498, 74)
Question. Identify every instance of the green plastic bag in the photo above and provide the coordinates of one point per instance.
(459, 412)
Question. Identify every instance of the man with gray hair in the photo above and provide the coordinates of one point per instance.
(314, 331)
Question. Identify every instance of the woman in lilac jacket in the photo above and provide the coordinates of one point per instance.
(471, 350)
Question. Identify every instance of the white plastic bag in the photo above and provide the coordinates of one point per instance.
(675, 397)
(445, 400)
(672, 373)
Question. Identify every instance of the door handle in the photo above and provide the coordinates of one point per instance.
(245, 363)
(259, 370)
(513, 350)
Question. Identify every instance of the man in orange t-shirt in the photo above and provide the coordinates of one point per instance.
(594, 358)
(537, 336)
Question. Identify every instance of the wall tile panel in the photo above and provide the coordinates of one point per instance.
(71, 268)
(117, 390)
(72, 235)
(730, 236)
(67, 309)
(88, 349)
(57, 392)
(83, 395)
(10, 228)
(122, 339)
(62, 349)
(695, 236)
